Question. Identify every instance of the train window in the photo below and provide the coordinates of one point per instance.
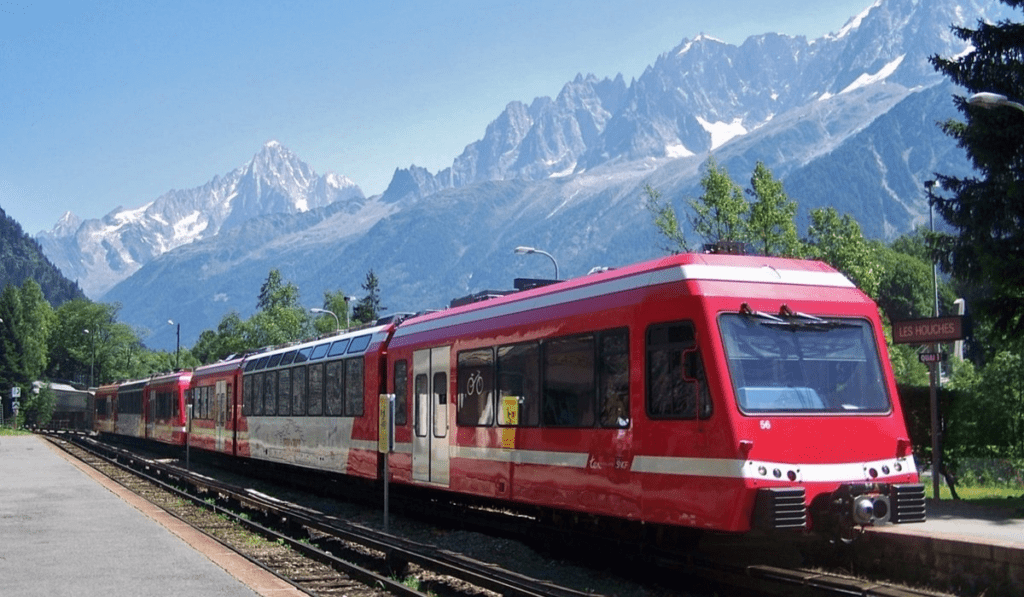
(519, 384)
(354, 387)
(675, 373)
(334, 389)
(247, 395)
(249, 366)
(257, 394)
(569, 388)
(298, 391)
(303, 355)
(440, 382)
(284, 392)
(274, 361)
(401, 392)
(320, 351)
(338, 348)
(359, 344)
(613, 379)
(262, 364)
(270, 393)
(316, 390)
(475, 388)
(804, 364)
(288, 357)
(421, 405)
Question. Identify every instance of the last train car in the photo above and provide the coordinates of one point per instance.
(720, 392)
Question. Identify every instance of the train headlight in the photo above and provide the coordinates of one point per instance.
(870, 509)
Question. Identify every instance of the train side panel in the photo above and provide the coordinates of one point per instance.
(214, 393)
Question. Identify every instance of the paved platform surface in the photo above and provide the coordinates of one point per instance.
(965, 521)
(66, 532)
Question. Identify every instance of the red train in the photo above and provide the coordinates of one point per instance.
(719, 392)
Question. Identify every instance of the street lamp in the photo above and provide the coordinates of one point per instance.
(531, 250)
(989, 100)
(337, 322)
(348, 312)
(177, 345)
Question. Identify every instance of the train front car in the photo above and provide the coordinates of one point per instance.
(816, 437)
(165, 408)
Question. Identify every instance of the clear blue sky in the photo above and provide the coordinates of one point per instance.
(113, 103)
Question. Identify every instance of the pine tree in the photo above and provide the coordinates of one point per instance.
(987, 210)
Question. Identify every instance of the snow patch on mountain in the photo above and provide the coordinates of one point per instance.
(722, 132)
(884, 73)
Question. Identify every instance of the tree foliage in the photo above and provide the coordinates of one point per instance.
(771, 224)
(368, 308)
(986, 210)
(718, 214)
(838, 241)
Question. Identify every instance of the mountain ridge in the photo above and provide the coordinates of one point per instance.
(565, 173)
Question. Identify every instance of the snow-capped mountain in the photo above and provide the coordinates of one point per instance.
(101, 253)
(847, 120)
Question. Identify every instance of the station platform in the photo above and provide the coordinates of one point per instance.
(961, 547)
(68, 530)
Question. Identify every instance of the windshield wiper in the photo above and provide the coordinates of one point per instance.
(793, 320)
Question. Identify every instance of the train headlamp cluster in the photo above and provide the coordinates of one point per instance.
(871, 509)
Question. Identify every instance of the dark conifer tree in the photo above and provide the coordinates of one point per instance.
(986, 210)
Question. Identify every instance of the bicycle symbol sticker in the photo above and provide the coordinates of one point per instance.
(475, 384)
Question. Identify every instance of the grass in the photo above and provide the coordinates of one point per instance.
(1010, 499)
(6, 430)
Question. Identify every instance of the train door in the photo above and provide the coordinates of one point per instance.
(430, 458)
(220, 413)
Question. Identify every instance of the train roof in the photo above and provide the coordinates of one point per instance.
(675, 268)
(349, 343)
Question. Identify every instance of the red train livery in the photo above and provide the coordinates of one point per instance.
(719, 392)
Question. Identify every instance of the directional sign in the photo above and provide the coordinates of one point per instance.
(928, 331)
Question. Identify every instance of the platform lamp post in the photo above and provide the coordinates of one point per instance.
(933, 368)
(92, 363)
(177, 344)
(337, 322)
(348, 312)
(531, 250)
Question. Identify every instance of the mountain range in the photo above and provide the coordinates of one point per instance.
(847, 120)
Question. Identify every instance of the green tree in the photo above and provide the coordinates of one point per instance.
(368, 308)
(666, 221)
(280, 317)
(37, 407)
(986, 210)
(771, 224)
(719, 212)
(87, 342)
(36, 318)
(839, 242)
(987, 420)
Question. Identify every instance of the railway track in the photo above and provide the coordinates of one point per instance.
(316, 553)
(308, 548)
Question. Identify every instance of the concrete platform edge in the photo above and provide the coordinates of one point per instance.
(262, 582)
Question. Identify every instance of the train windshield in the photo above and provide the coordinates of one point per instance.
(800, 363)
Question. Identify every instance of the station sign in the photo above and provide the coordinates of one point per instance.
(928, 331)
(931, 357)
